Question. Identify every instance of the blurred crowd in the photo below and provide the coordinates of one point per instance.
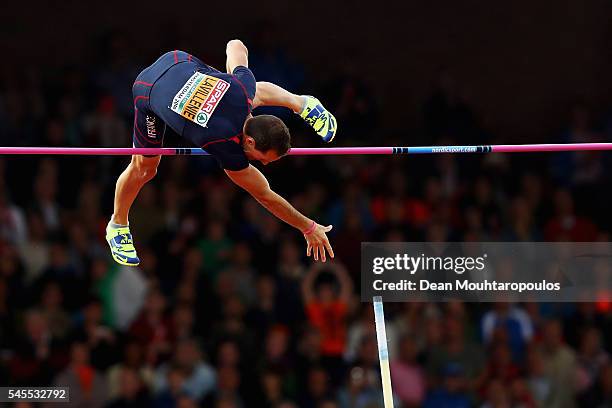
(226, 311)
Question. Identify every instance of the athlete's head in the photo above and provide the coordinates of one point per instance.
(266, 138)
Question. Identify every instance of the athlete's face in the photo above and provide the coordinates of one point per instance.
(264, 158)
(257, 155)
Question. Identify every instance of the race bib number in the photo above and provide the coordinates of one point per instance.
(199, 97)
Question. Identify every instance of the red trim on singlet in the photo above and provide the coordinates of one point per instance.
(175, 56)
(189, 58)
(213, 142)
(140, 97)
(246, 94)
(235, 139)
(137, 131)
(142, 83)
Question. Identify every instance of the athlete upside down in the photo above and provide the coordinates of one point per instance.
(212, 109)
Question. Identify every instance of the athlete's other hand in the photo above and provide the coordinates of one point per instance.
(318, 243)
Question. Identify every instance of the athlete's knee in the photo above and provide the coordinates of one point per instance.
(145, 168)
(237, 45)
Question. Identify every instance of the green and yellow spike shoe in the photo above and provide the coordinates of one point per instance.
(121, 245)
(319, 118)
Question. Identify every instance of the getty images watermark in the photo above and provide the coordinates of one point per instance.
(487, 272)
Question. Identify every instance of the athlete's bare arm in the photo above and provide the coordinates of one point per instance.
(256, 184)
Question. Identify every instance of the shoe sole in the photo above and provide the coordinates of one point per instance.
(120, 262)
(333, 136)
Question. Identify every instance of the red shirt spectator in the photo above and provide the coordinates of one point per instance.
(327, 308)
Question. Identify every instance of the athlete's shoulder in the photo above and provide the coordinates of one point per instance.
(244, 77)
(228, 153)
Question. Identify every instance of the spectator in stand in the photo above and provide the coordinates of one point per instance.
(200, 378)
(464, 356)
(422, 322)
(452, 391)
(522, 223)
(35, 250)
(53, 312)
(521, 394)
(566, 225)
(87, 387)
(232, 325)
(264, 313)
(148, 215)
(308, 352)
(510, 323)
(133, 359)
(578, 167)
(584, 316)
(317, 388)
(276, 352)
(100, 339)
(183, 322)
(169, 397)
(363, 327)
(132, 392)
(367, 357)
(538, 380)
(152, 327)
(592, 357)
(560, 365)
(500, 368)
(407, 376)
(271, 389)
(497, 395)
(353, 201)
(600, 395)
(227, 393)
(60, 270)
(45, 194)
(291, 270)
(228, 354)
(360, 391)
(104, 127)
(326, 303)
(37, 355)
(241, 273)
(215, 247)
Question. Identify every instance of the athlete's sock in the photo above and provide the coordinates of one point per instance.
(113, 225)
(304, 102)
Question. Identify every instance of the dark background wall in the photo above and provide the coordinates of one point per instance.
(521, 64)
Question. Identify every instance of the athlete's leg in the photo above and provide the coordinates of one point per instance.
(134, 177)
(140, 171)
(269, 94)
(308, 107)
(148, 132)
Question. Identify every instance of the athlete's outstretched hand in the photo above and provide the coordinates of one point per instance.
(318, 243)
